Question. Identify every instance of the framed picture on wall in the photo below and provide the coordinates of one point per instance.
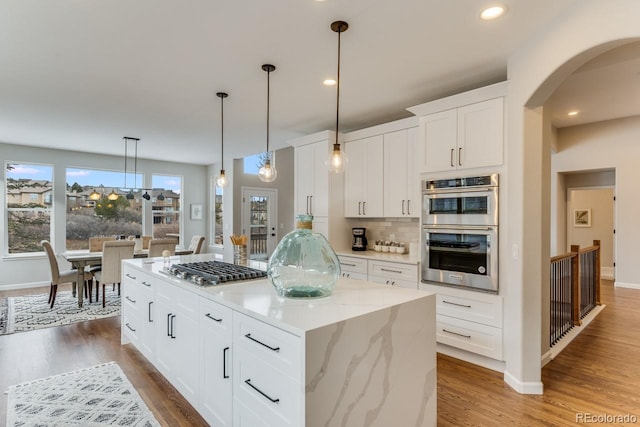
(196, 211)
(582, 218)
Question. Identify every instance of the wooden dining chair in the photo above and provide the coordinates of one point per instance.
(112, 255)
(60, 277)
(157, 246)
(196, 244)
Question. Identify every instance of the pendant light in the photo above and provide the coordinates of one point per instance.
(94, 195)
(268, 172)
(337, 158)
(221, 179)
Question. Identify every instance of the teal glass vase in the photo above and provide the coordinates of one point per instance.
(303, 264)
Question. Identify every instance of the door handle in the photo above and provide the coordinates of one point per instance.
(359, 206)
(403, 207)
(364, 208)
(310, 205)
(451, 158)
(150, 319)
(408, 211)
(173, 316)
(224, 362)
(169, 324)
(460, 156)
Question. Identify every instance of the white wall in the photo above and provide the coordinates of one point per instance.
(535, 70)
(604, 145)
(34, 270)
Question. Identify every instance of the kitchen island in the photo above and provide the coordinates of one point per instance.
(243, 356)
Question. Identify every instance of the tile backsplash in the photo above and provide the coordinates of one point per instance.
(405, 230)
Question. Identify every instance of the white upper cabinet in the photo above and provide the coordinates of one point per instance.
(402, 157)
(364, 178)
(312, 179)
(463, 131)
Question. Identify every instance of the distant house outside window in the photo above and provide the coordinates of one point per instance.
(103, 217)
(167, 213)
(28, 192)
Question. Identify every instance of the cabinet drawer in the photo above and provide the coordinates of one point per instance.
(393, 270)
(274, 398)
(353, 265)
(131, 325)
(487, 311)
(394, 282)
(350, 275)
(244, 417)
(274, 346)
(470, 336)
(216, 315)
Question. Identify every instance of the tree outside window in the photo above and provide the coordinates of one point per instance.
(29, 206)
(102, 217)
(167, 210)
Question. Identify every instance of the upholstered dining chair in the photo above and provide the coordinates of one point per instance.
(196, 244)
(60, 277)
(157, 246)
(112, 255)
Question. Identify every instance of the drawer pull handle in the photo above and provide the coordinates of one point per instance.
(444, 301)
(224, 362)
(391, 271)
(130, 276)
(248, 382)
(131, 300)
(169, 324)
(212, 318)
(455, 333)
(350, 265)
(146, 284)
(173, 316)
(150, 319)
(130, 328)
(261, 343)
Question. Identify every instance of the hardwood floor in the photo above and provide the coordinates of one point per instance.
(599, 373)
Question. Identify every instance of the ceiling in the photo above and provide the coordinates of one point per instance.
(80, 75)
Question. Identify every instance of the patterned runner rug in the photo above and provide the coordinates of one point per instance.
(29, 312)
(97, 396)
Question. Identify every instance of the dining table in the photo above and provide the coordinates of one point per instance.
(79, 259)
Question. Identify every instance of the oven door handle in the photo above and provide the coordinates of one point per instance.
(448, 228)
(457, 191)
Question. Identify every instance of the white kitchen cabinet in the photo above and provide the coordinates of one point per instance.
(177, 342)
(402, 156)
(312, 179)
(364, 178)
(138, 311)
(216, 391)
(467, 320)
(353, 267)
(392, 273)
(467, 137)
(318, 192)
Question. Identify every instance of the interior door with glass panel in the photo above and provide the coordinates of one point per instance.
(259, 220)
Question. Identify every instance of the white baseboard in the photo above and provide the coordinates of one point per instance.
(527, 387)
(546, 358)
(23, 286)
(607, 273)
(626, 285)
(476, 359)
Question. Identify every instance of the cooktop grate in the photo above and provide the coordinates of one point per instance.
(214, 272)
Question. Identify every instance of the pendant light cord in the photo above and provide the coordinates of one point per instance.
(268, 103)
(338, 91)
(222, 131)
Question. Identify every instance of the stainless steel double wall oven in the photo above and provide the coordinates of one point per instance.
(460, 232)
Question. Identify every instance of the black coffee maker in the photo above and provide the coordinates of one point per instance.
(359, 239)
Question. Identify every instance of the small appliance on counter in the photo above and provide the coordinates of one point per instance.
(359, 239)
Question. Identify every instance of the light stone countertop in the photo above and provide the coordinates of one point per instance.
(258, 299)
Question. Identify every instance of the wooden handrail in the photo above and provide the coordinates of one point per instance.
(563, 256)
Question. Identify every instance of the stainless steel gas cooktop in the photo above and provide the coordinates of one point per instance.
(207, 273)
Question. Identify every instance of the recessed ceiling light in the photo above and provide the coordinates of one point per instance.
(329, 82)
(493, 12)
(573, 113)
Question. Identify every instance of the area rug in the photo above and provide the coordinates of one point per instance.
(97, 396)
(29, 312)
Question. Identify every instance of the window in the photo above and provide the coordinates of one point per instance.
(217, 216)
(103, 217)
(252, 164)
(167, 212)
(28, 189)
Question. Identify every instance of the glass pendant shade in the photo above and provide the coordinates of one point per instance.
(146, 196)
(130, 195)
(268, 172)
(337, 159)
(94, 195)
(160, 196)
(303, 264)
(221, 179)
(113, 195)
